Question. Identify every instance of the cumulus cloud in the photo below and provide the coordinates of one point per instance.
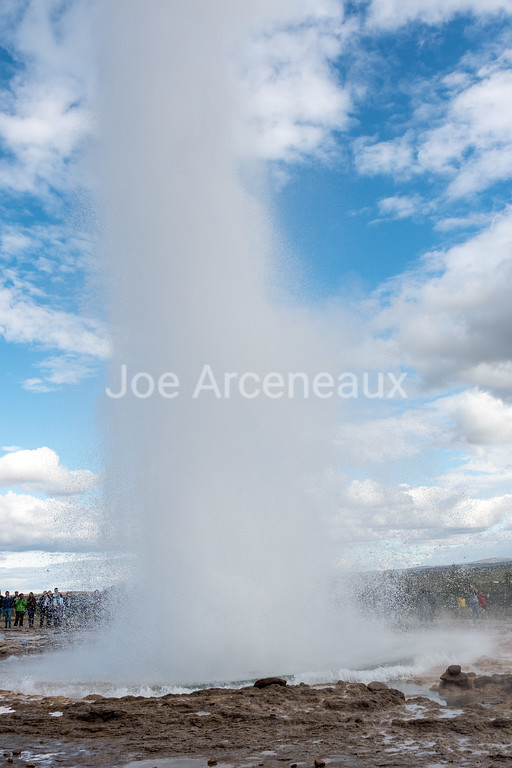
(483, 419)
(22, 320)
(450, 319)
(370, 511)
(290, 90)
(46, 113)
(29, 523)
(40, 136)
(474, 143)
(401, 206)
(390, 14)
(40, 471)
(466, 141)
(395, 157)
(46, 106)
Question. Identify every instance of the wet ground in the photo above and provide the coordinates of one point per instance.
(467, 722)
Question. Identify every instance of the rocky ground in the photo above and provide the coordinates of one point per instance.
(344, 724)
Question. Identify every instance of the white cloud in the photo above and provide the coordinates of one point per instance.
(370, 510)
(475, 220)
(47, 524)
(24, 321)
(39, 471)
(388, 157)
(60, 371)
(391, 14)
(450, 319)
(475, 141)
(290, 91)
(401, 206)
(469, 147)
(13, 242)
(35, 384)
(46, 113)
(41, 136)
(371, 442)
(482, 419)
(45, 250)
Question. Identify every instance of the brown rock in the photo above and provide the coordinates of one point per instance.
(264, 682)
(453, 676)
(93, 713)
(319, 763)
(377, 686)
(501, 722)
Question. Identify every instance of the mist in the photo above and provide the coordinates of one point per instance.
(214, 498)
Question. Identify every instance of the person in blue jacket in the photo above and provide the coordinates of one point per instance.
(7, 606)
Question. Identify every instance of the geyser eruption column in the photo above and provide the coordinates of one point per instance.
(209, 494)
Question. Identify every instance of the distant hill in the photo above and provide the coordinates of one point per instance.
(491, 560)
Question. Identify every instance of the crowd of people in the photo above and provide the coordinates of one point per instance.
(52, 609)
(471, 598)
(476, 600)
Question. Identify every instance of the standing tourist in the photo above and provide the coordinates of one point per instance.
(7, 605)
(20, 606)
(57, 608)
(31, 609)
(474, 604)
(44, 603)
(482, 602)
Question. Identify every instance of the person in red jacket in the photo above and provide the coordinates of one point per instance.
(482, 602)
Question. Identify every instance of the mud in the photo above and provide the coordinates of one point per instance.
(343, 724)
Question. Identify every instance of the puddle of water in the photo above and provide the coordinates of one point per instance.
(43, 760)
(6, 710)
(173, 762)
(448, 713)
(416, 710)
(55, 714)
(413, 689)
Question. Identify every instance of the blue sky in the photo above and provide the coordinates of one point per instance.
(384, 130)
